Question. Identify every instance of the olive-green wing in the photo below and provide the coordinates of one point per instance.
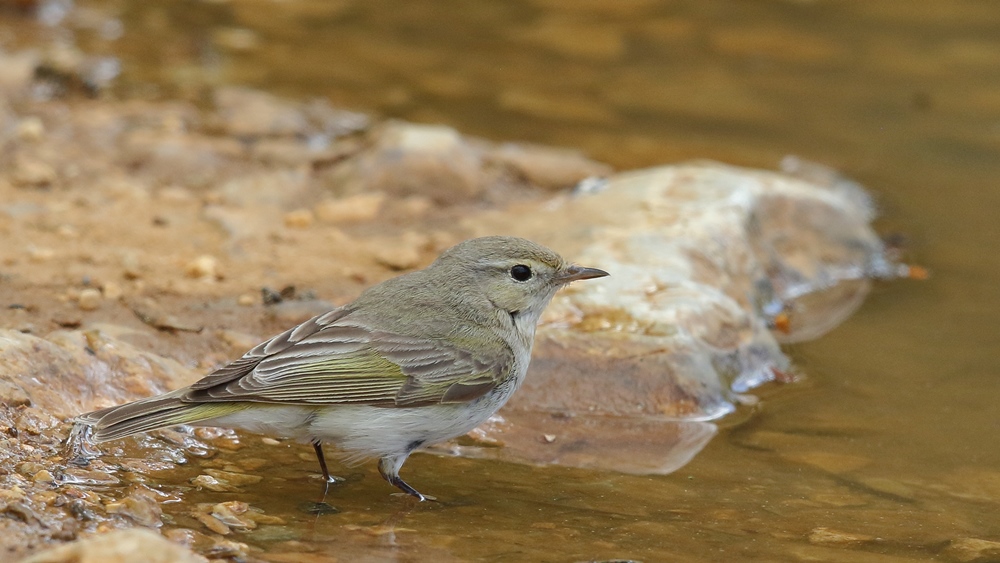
(330, 360)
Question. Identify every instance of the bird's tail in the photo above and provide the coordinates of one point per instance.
(150, 414)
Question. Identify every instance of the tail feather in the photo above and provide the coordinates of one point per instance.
(152, 413)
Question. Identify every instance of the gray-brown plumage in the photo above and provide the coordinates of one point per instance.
(415, 360)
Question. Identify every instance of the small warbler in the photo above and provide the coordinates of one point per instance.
(415, 360)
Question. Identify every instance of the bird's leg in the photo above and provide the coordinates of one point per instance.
(318, 446)
(389, 466)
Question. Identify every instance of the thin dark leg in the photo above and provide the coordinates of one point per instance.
(389, 466)
(318, 446)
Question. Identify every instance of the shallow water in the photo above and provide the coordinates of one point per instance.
(885, 451)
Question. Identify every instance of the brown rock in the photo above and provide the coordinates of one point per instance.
(973, 549)
(89, 299)
(123, 546)
(830, 536)
(205, 267)
(30, 129)
(140, 505)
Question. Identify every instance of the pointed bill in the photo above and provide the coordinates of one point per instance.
(576, 273)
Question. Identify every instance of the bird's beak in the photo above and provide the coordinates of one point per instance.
(575, 273)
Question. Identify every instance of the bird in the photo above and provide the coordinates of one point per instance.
(413, 361)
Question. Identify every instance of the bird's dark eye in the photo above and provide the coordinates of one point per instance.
(521, 272)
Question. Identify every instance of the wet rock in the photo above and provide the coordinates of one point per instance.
(233, 478)
(83, 476)
(70, 372)
(973, 549)
(699, 256)
(830, 536)
(140, 505)
(212, 484)
(120, 546)
(229, 513)
(212, 546)
(629, 445)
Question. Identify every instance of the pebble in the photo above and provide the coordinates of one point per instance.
(140, 506)
(246, 300)
(234, 478)
(205, 267)
(30, 128)
(212, 523)
(89, 300)
(43, 476)
(228, 513)
(112, 290)
(212, 484)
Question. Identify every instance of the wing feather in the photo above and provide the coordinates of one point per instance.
(331, 359)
